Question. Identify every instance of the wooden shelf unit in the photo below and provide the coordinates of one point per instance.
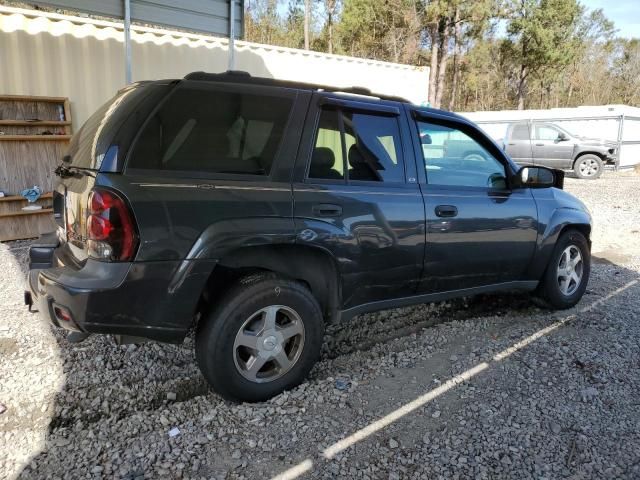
(30, 123)
(34, 138)
(26, 212)
(34, 135)
(20, 198)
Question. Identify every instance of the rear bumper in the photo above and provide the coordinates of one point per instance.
(155, 300)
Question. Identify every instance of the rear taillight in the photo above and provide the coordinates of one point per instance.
(111, 231)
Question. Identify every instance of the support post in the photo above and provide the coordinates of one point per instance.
(232, 35)
(619, 149)
(127, 42)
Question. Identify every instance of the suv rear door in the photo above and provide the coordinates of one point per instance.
(210, 170)
(479, 230)
(354, 197)
(518, 143)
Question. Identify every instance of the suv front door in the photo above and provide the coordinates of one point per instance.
(353, 197)
(479, 231)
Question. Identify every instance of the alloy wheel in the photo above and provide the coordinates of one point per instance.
(269, 343)
(570, 270)
(589, 167)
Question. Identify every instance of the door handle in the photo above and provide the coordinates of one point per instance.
(327, 210)
(539, 144)
(446, 211)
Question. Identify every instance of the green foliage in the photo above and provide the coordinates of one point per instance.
(541, 33)
(489, 54)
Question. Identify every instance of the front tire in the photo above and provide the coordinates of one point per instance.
(567, 274)
(588, 167)
(262, 338)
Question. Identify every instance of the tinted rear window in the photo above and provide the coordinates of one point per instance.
(204, 129)
(89, 144)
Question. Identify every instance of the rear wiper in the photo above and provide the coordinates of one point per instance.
(66, 171)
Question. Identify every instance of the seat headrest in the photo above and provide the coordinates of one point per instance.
(355, 157)
(323, 158)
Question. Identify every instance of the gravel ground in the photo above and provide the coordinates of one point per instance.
(486, 387)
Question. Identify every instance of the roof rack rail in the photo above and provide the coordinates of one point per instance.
(207, 76)
(246, 77)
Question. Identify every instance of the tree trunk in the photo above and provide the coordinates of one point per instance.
(522, 87)
(331, 8)
(456, 64)
(307, 15)
(395, 45)
(442, 68)
(433, 69)
(330, 20)
(412, 44)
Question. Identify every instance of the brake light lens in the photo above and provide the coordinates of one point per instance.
(111, 230)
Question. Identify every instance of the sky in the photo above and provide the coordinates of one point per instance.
(625, 14)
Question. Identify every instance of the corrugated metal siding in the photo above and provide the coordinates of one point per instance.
(210, 16)
(56, 55)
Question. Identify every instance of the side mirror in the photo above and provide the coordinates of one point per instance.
(425, 139)
(562, 137)
(540, 177)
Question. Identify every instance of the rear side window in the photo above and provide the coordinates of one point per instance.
(206, 130)
(357, 147)
(520, 132)
(327, 160)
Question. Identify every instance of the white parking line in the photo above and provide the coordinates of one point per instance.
(422, 400)
(295, 472)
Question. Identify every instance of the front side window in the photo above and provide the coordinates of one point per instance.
(451, 157)
(206, 130)
(544, 132)
(370, 142)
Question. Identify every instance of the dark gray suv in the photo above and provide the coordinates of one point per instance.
(257, 210)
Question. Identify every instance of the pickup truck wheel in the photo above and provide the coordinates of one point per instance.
(588, 167)
(263, 338)
(567, 275)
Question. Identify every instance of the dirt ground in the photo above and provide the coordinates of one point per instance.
(485, 387)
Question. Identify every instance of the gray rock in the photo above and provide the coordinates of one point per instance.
(589, 393)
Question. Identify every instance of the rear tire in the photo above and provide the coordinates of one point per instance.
(588, 167)
(263, 338)
(567, 275)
